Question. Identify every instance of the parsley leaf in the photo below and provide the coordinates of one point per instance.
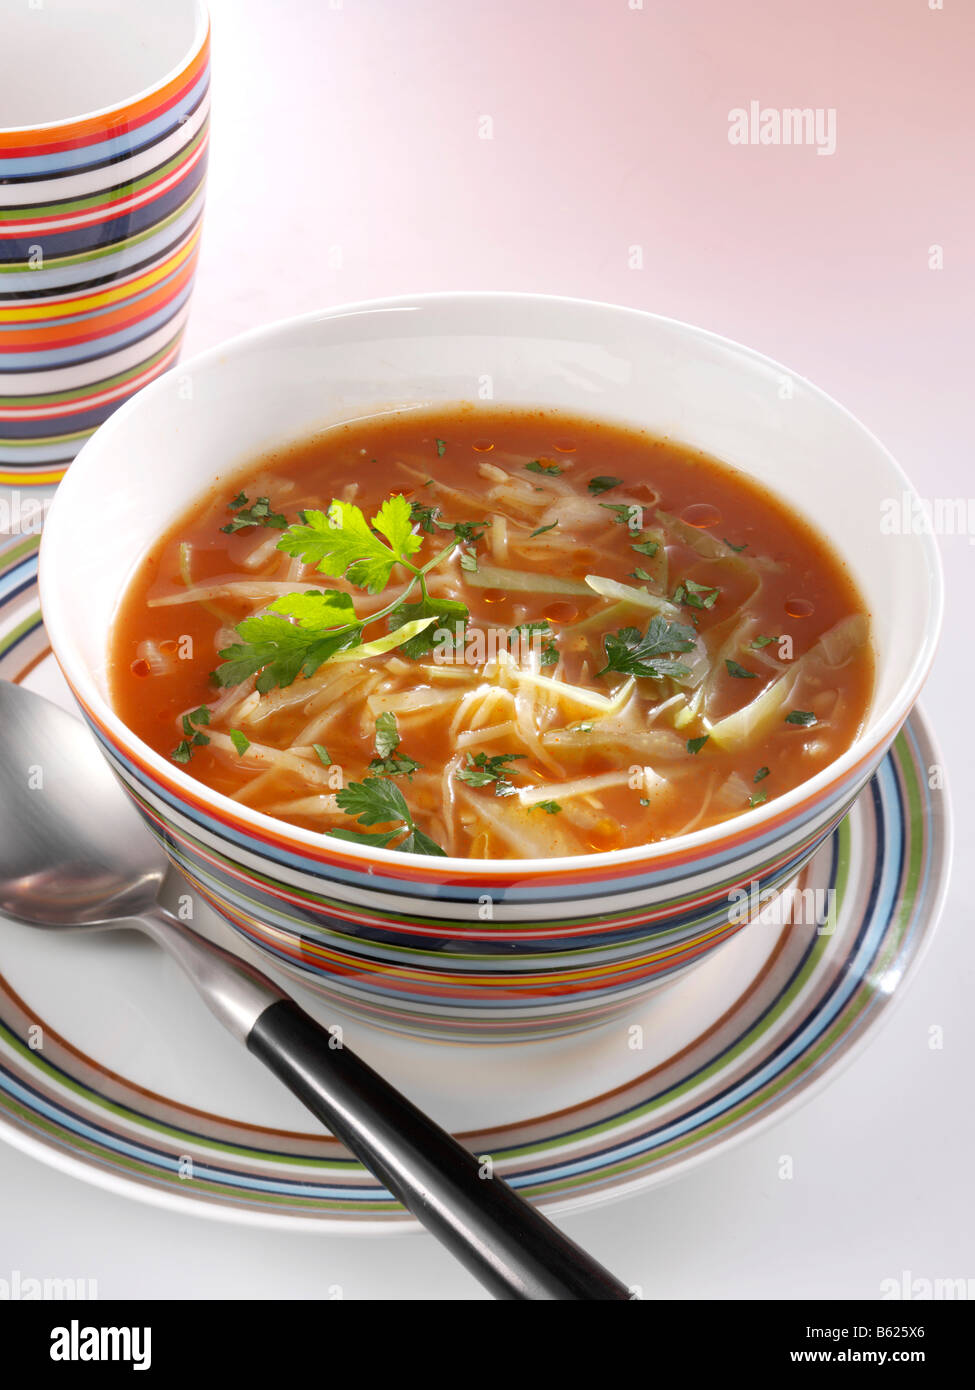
(625, 513)
(482, 769)
(602, 484)
(441, 448)
(449, 611)
(424, 516)
(194, 738)
(649, 548)
(762, 641)
(536, 466)
(735, 670)
(760, 774)
(259, 514)
(635, 654)
(280, 650)
(695, 595)
(341, 541)
(542, 529)
(387, 761)
(387, 734)
(379, 801)
(758, 799)
(552, 807)
(240, 741)
(694, 745)
(805, 717)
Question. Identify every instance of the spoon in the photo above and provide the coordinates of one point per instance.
(74, 854)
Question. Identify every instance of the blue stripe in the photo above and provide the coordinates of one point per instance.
(131, 142)
(111, 342)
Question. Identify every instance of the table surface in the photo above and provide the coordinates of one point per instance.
(347, 163)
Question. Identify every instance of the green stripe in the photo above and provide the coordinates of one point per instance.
(84, 257)
(90, 388)
(116, 193)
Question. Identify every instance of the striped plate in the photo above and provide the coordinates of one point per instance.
(109, 1070)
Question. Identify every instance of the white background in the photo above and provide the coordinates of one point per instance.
(346, 164)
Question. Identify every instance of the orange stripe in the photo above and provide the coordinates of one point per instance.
(67, 334)
(115, 121)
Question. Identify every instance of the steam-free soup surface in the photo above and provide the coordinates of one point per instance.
(495, 635)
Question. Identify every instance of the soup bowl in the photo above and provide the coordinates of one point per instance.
(481, 949)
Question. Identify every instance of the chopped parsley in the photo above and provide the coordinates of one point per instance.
(732, 546)
(482, 769)
(735, 670)
(648, 548)
(240, 741)
(695, 595)
(441, 448)
(623, 512)
(542, 529)
(805, 717)
(640, 574)
(602, 484)
(387, 761)
(536, 466)
(552, 807)
(757, 799)
(322, 754)
(194, 738)
(259, 514)
(760, 774)
(762, 641)
(694, 745)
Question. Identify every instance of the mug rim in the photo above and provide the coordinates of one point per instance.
(201, 36)
(735, 835)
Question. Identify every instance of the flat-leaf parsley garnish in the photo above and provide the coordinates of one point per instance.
(298, 632)
(633, 653)
(379, 801)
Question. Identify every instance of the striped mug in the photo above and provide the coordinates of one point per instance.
(104, 109)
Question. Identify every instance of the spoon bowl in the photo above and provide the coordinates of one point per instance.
(74, 851)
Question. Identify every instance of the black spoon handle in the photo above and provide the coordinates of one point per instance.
(505, 1243)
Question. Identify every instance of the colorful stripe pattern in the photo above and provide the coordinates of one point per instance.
(810, 1000)
(525, 955)
(99, 236)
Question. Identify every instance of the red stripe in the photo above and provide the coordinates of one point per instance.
(114, 123)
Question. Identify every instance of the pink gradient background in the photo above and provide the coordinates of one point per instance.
(356, 127)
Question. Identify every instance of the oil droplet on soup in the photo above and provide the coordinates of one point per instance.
(701, 515)
(497, 748)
